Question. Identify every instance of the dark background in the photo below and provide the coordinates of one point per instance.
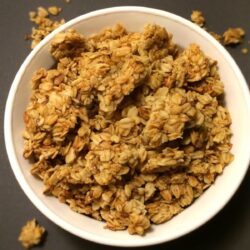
(229, 230)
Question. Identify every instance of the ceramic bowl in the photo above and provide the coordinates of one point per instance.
(205, 207)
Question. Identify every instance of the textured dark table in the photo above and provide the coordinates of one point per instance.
(229, 230)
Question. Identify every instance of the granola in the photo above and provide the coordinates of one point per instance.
(54, 10)
(44, 24)
(244, 51)
(31, 234)
(216, 36)
(198, 18)
(233, 36)
(126, 128)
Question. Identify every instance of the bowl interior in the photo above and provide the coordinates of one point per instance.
(203, 208)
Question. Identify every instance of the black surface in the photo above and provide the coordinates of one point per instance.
(230, 229)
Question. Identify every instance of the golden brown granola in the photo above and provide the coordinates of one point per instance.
(233, 36)
(198, 18)
(44, 25)
(54, 10)
(215, 35)
(126, 128)
(244, 51)
(31, 234)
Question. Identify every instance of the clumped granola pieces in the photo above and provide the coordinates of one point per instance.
(198, 18)
(233, 36)
(31, 234)
(44, 23)
(126, 128)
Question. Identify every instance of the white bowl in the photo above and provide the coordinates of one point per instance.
(205, 207)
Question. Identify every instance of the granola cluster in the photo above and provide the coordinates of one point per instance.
(232, 36)
(198, 18)
(126, 127)
(31, 234)
(45, 24)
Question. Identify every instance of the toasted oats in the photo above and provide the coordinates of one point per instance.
(198, 18)
(233, 36)
(216, 36)
(125, 128)
(42, 12)
(31, 234)
(54, 10)
(44, 25)
(244, 51)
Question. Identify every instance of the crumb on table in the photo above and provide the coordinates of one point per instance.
(244, 50)
(233, 36)
(198, 18)
(31, 234)
(54, 10)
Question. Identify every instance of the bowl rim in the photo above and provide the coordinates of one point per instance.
(8, 136)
